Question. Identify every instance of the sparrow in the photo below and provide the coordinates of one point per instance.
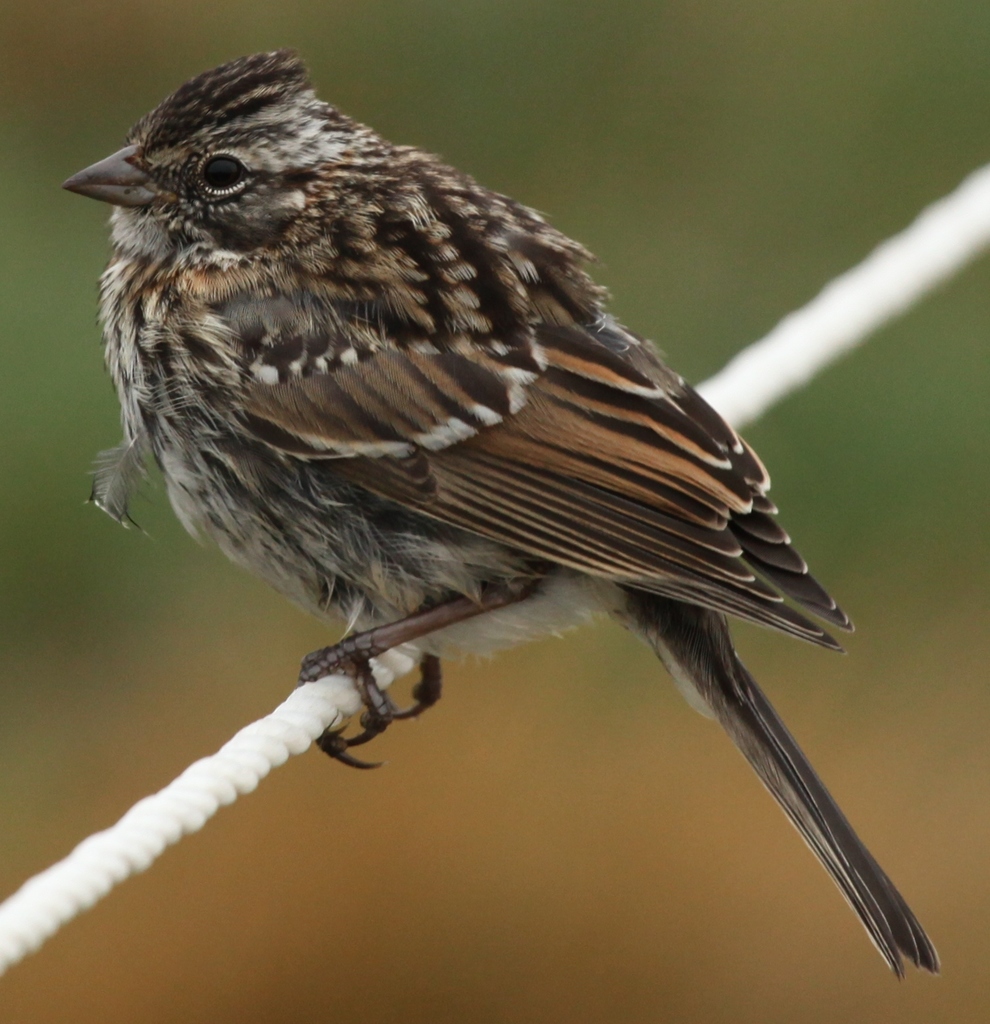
(398, 398)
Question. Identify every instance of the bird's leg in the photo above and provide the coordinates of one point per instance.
(353, 656)
(362, 647)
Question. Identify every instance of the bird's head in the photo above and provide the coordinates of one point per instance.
(228, 162)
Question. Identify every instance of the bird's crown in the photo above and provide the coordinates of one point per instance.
(247, 94)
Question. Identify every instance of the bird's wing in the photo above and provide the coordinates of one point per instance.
(592, 455)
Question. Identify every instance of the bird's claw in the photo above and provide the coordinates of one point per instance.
(427, 691)
(335, 745)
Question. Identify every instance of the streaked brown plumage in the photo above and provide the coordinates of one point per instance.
(382, 387)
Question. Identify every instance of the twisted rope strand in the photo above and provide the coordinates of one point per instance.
(48, 900)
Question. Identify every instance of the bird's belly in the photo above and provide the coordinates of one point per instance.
(252, 530)
(331, 547)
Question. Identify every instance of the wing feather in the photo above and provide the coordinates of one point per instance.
(593, 456)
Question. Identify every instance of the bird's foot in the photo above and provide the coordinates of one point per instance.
(353, 655)
(379, 709)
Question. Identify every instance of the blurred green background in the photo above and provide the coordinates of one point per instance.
(562, 839)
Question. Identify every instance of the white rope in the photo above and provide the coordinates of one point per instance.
(942, 240)
(897, 274)
(44, 903)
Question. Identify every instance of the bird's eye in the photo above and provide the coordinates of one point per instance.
(222, 173)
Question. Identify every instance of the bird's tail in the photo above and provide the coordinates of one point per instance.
(695, 646)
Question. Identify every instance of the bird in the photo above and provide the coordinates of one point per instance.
(399, 398)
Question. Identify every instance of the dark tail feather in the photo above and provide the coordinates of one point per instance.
(695, 645)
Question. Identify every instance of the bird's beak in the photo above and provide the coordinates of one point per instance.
(114, 180)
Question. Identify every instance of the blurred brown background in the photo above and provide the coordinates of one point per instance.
(562, 839)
